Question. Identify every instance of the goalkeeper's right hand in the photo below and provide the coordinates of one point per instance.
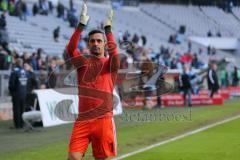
(84, 17)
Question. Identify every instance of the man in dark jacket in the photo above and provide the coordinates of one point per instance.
(3, 22)
(235, 76)
(18, 90)
(185, 86)
(212, 78)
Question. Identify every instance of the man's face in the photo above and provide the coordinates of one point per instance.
(27, 67)
(215, 67)
(96, 44)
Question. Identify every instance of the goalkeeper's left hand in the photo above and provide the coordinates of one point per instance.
(108, 21)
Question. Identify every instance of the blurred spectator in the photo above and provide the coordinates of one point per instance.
(219, 34)
(209, 34)
(4, 39)
(21, 9)
(144, 40)
(212, 78)
(185, 86)
(4, 5)
(173, 39)
(40, 61)
(135, 38)
(50, 6)
(35, 9)
(186, 58)
(18, 90)
(173, 63)
(209, 50)
(26, 58)
(213, 51)
(3, 58)
(189, 46)
(224, 77)
(56, 33)
(11, 8)
(72, 18)
(43, 7)
(160, 84)
(170, 40)
(120, 37)
(235, 76)
(3, 22)
(126, 36)
(34, 62)
(52, 77)
(60, 10)
(196, 63)
(230, 7)
(195, 81)
(71, 4)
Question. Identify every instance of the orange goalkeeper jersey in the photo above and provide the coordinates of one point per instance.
(96, 78)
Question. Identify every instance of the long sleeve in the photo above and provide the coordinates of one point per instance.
(73, 53)
(114, 62)
(73, 43)
(112, 45)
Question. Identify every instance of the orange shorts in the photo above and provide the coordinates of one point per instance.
(100, 132)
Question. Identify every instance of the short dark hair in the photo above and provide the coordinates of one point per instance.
(94, 32)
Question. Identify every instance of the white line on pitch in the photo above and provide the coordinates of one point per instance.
(176, 138)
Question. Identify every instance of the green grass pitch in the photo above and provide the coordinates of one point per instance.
(133, 134)
(221, 142)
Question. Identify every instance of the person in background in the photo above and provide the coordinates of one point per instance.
(212, 78)
(4, 59)
(43, 7)
(60, 10)
(72, 18)
(4, 5)
(31, 114)
(18, 90)
(185, 86)
(34, 63)
(56, 33)
(3, 22)
(235, 76)
(224, 77)
(35, 9)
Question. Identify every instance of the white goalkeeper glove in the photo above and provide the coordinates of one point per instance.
(108, 21)
(84, 17)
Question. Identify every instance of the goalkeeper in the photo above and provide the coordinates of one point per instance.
(96, 74)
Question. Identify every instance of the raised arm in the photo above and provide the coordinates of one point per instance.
(111, 42)
(73, 43)
(114, 61)
(72, 48)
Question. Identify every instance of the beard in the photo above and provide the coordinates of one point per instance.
(95, 51)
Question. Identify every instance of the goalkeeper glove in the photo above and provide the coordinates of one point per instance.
(108, 21)
(84, 17)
